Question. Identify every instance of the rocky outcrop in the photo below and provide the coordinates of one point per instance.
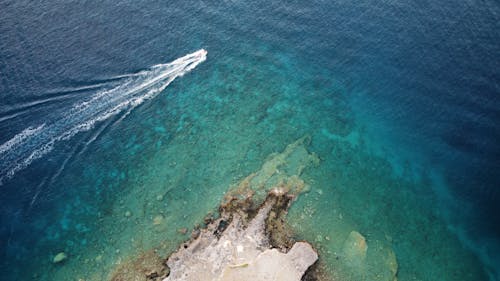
(241, 251)
(146, 267)
(251, 241)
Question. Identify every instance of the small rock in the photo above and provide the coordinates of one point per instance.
(388, 237)
(159, 197)
(195, 233)
(208, 218)
(158, 220)
(60, 257)
(392, 263)
(128, 214)
(355, 248)
(319, 238)
(182, 230)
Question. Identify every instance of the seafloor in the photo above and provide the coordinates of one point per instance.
(203, 136)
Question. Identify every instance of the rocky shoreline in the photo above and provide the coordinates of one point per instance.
(249, 246)
(250, 239)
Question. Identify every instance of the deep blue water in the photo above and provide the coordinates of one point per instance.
(422, 79)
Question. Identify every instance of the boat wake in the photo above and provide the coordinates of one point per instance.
(36, 141)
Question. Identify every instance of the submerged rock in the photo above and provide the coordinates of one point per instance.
(379, 264)
(355, 248)
(250, 239)
(158, 220)
(391, 264)
(60, 257)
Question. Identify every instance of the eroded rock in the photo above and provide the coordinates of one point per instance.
(274, 265)
(241, 251)
(250, 240)
(146, 267)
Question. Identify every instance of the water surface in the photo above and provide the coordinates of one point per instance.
(401, 100)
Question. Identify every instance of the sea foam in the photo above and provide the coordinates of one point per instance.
(36, 141)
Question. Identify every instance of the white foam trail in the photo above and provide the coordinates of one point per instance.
(10, 116)
(33, 143)
(19, 138)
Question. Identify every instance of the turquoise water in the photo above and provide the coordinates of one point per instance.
(400, 129)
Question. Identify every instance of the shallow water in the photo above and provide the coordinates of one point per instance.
(400, 100)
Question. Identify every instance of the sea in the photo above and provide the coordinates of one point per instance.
(116, 113)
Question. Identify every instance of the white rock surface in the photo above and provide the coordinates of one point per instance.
(240, 254)
(272, 265)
